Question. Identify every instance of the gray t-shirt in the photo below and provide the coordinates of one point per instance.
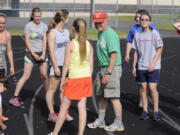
(62, 38)
(146, 43)
(36, 33)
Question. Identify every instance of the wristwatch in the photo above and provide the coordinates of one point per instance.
(107, 73)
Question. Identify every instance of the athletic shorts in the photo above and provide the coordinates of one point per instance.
(148, 77)
(30, 59)
(51, 72)
(112, 88)
(77, 88)
(3, 71)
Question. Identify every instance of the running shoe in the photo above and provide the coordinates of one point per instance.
(4, 118)
(114, 127)
(1, 133)
(50, 133)
(14, 101)
(69, 117)
(156, 116)
(53, 117)
(96, 124)
(144, 115)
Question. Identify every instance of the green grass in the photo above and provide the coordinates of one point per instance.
(16, 32)
(165, 27)
(92, 34)
(162, 17)
(120, 18)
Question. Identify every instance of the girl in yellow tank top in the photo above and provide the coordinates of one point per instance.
(78, 86)
(77, 68)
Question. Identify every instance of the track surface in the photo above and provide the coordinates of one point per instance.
(31, 118)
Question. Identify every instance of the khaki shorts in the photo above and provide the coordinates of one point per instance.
(112, 88)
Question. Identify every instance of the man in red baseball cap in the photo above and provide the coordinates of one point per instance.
(99, 16)
(109, 74)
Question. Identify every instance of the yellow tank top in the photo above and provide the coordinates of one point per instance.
(77, 69)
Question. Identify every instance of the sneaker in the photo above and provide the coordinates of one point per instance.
(50, 133)
(115, 127)
(96, 124)
(14, 101)
(69, 117)
(53, 117)
(4, 118)
(156, 116)
(144, 115)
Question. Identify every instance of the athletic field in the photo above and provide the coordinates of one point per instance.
(31, 117)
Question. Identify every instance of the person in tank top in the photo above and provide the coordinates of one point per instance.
(78, 86)
(58, 37)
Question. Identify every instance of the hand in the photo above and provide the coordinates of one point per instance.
(36, 57)
(105, 79)
(57, 71)
(127, 58)
(3, 127)
(134, 72)
(12, 71)
(62, 86)
(151, 68)
(42, 57)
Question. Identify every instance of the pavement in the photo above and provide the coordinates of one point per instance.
(31, 117)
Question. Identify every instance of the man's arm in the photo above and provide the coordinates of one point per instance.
(112, 61)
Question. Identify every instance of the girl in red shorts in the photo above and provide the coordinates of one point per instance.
(78, 86)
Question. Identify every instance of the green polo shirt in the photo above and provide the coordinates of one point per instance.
(108, 42)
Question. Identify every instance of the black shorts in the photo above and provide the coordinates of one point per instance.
(30, 59)
(51, 72)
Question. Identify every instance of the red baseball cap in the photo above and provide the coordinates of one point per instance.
(99, 16)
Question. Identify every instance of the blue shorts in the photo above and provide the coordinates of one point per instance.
(148, 77)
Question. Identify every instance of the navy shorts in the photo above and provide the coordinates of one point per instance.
(148, 77)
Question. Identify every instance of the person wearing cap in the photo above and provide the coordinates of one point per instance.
(109, 73)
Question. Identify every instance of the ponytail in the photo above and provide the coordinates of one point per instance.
(51, 25)
(60, 15)
(80, 28)
(82, 40)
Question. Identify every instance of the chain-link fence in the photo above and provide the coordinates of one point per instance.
(163, 11)
(21, 9)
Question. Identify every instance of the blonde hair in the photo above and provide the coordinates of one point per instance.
(60, 15)
(34, 10)
(80, 27)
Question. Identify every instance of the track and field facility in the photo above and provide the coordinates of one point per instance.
(31, 117)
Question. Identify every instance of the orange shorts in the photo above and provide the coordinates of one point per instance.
(76, 88)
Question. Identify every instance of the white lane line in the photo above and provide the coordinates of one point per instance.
(29, 121)
(94, 98)
(171, 122)
(22, 38)
(29, 126)
(16, 72)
